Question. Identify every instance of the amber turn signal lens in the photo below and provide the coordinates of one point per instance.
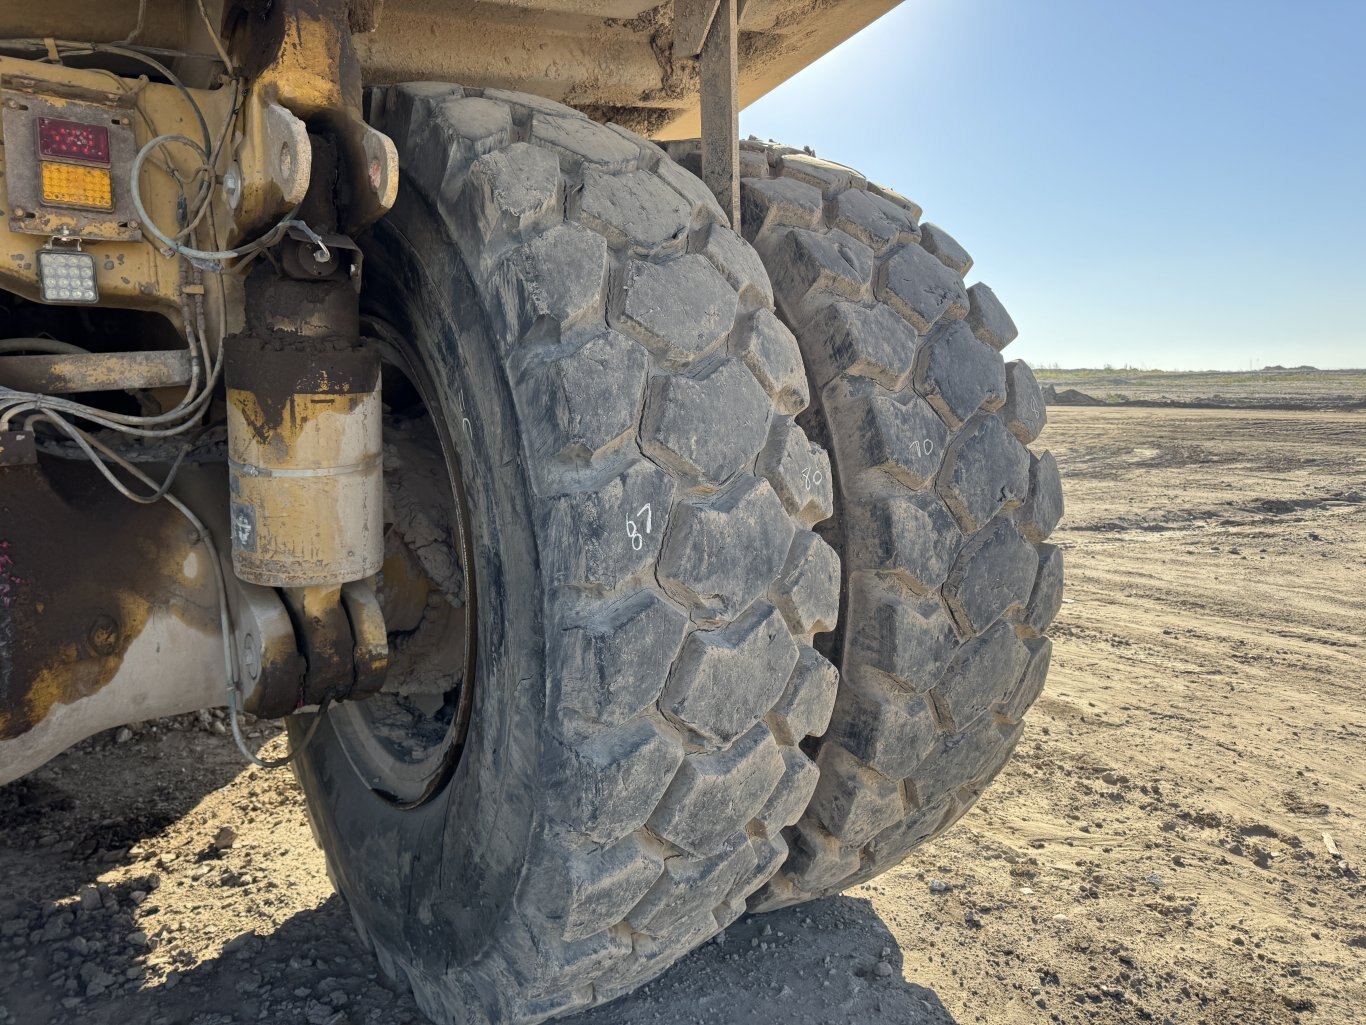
(73, 185)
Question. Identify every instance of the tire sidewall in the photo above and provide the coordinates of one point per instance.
(407, 872)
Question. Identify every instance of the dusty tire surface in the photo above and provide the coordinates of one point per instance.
(942, 512)
(647, 576)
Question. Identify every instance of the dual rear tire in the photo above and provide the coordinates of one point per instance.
(620, 401)
(692, 692)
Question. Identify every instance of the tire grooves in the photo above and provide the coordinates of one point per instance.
(810, 282)
(566, 942)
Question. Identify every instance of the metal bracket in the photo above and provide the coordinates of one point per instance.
(271, 669)
(709, 28)
(299, 54)
(692, 21)
(29, 212)
(70, 374)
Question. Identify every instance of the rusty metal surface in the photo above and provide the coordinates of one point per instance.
(299, 54)
(304, 438)
(720, 112)
(305, 478)
(27, 212)
(129, 273)
(615, 65)
(370, 637)
(271, 669)
(83, 574)
(105, 371)
(614, 58)
(17, 448)
(692, 21)
(324, 633)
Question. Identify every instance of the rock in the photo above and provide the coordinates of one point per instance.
(239, 941)
(938, 886)
(225, 838)
(58, 926)
(137, 939)
(89, 898)
(123, 736)
(1154, 880)
(883, 970)
(1109, 777)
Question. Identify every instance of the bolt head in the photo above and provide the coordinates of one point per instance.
(251, 657)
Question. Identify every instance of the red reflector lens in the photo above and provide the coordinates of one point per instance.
(71, 140)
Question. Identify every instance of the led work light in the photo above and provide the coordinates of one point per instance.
(67, 277)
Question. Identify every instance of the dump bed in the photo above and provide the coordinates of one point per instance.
(614, 58)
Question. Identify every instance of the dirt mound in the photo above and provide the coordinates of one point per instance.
(1070, 397)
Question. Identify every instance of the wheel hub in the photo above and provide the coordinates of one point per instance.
(406, 740)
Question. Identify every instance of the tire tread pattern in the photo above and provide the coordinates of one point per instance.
(622, 307)
(940, 512)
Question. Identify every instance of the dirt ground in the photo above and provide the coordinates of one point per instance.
(1179, 839)
(1296, 388)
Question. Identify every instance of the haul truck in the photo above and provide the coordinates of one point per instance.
(633, 525)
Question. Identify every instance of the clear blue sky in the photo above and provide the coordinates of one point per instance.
(1173, 184)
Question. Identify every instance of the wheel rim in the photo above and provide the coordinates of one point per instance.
(406, 741)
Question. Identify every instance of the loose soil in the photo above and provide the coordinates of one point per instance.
(1179, 838)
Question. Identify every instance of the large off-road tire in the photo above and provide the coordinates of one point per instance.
(647, 582)
(941, 513)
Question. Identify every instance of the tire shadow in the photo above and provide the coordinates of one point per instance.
(809, 965)
(76, 950)
(832, 960)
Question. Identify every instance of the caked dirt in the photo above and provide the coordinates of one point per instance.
(1179, 838)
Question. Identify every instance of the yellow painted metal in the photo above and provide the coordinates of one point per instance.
(300, 55)
(274, 142)
(307, 508)
(131, 274)
(614, 58)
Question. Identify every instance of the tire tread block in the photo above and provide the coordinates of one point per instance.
(715, 795)
(721, 553)
(726, 680)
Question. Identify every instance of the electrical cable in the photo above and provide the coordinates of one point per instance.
(13, 403)
(137, 29)
(162, 492)
(213, 38)
(47, 346)
(77, 48)
(204, 258)
(188, 412)
(91, 445)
